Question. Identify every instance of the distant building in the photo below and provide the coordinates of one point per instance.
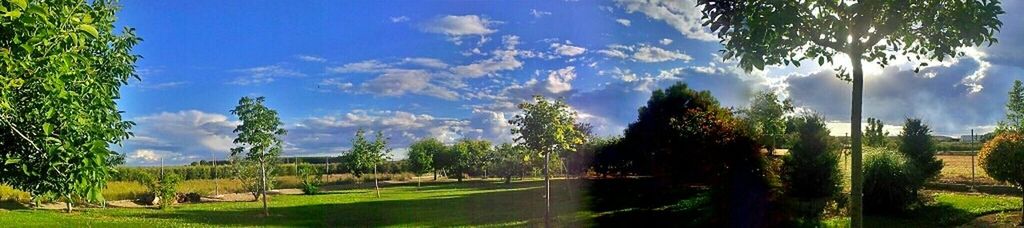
(970, 138)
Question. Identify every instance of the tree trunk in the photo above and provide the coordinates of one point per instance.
(435, 174)
(67, 202)
(375, 186)
(568, 179)
(1022, 207)
(856, 172)
(547, 191)
(263, 183)
(508, 179)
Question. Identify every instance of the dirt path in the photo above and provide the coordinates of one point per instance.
(1004, 219)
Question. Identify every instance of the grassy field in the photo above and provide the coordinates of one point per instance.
(476, 203)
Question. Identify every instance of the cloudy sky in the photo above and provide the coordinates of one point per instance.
(455, 70)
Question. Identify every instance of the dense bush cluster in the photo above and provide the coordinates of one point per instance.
(889, 185)
(810, 172)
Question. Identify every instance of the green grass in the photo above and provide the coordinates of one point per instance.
(442, 204)
(948, 209)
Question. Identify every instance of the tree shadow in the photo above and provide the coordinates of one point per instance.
(12, 205)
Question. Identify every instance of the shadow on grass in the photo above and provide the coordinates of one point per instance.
(11, 205)
(518, 204)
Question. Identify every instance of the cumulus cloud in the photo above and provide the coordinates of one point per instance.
(936, 95)
(665, 41)
(683, 15)
(644, 53)
(455, 27)
(398, 82)
(263, 74)
(567, 49)
(501, 59)
(623, 22)
(179, 136)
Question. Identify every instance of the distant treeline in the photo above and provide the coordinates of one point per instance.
(223, 169)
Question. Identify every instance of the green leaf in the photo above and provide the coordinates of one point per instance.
(47, 128)
(13, 14)
(89, 29)
(20, 3)
(12, 161)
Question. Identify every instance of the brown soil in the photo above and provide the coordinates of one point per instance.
(1005, 219)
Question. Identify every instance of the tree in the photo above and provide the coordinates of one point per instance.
(917, 146)
(311, 178)
(511, 160)
(760, 33)
(546, 127)
(468, 157)
(366, 156)
(1014, 109)
(765, 119)
(421, 156)
(1003, 159)
(61, 68)
(259, 138)
(875, 135)
(810, 171)
(248, 173)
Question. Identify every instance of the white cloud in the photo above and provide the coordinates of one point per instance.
(644, 53)
(426, 62)
(263, 74)
(683, 15)
(624, 22)
(500, 60)
(398, 19)
(538, 14)
(178, 135)
(665, 41)
(567, 49)
(367, 66)
(310, 58)
(332, 134)
(559, 80)
(455, 26)
(149, 156)
(398, 82)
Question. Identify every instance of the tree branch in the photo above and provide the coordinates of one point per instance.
(15, 129)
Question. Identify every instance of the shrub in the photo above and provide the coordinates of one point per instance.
(888, 182)
(810, 172)
(918, 147)
(1003, 159)
(311, 179)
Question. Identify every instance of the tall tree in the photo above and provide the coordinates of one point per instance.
(917, 145)
(61, 68)
(511, 160)
(259, 138)
(760, 33)
(366, 155)
(875, 133)
(546, 127)
(468, 157)
(766, 118)
(1014, 109)
(810, 170)
(421, 156)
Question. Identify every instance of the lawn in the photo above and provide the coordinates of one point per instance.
(623, 202)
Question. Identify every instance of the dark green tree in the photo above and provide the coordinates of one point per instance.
(810, 171)
(917, 146)
(259, 139)
(1014, 109)
(468, 157)
(875, 135)
(366, 156)
(511, 160)
(787, 32)
(62, 64)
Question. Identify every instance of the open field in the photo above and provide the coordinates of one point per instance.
(477, 203)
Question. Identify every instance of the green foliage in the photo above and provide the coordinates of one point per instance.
(889, 185)
(811, 169)
(259, 139)
(469, 157)
(917, 146)
(511, 160)
(547, 126)
(61, 68)
(248, 173)
(163, 186)
(311, 178)
(1003, 158)
(421, 154)
(875, 135)
(365, 156)
(1014, 109)
(764, 119)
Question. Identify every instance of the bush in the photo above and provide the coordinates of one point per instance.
(888, 182)
(918, 147)
(1003, 158)
(311, 179)
(810, 172)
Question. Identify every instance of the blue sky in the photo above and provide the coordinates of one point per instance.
(455, 69)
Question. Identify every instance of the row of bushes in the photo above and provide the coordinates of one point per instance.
(224, 171)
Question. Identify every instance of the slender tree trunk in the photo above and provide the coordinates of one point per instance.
(67, 202)
(1022, 206)
(435, 174)
(375, 186)
(263, 183)
(856, 172)
(547, 191)
(568, 179)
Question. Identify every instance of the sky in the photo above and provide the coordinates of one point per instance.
(456, 69)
